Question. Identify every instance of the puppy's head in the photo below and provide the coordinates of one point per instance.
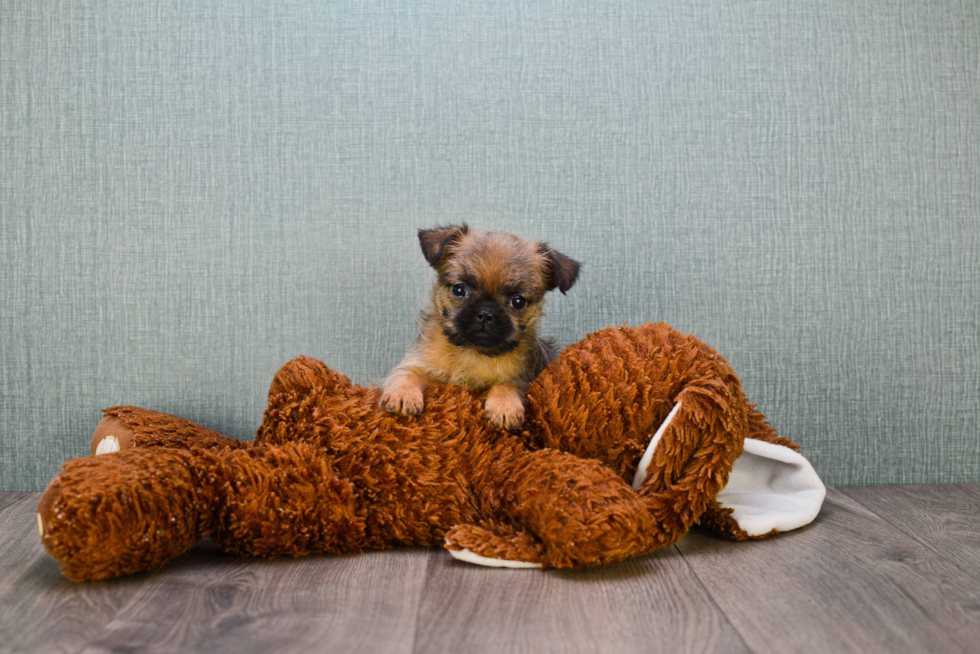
(491, 286)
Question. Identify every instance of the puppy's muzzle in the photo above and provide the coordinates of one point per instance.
(486, 326)
(486, 321)
(485, 317)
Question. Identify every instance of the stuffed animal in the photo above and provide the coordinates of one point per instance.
(629, 439)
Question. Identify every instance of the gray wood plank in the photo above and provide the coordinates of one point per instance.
(945, 518)
(9, 497)
(216, 602)
(40, 610)
(850, 582)
(206, 600)
(649, 604)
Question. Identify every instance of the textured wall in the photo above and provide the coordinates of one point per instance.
(193, 192)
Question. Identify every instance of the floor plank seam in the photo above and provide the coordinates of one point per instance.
(711, 599)
(418, 603)
(925, 543)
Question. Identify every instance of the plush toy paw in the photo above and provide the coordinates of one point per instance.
(505, 407)
(112, 435)
(403, 398)
(494, 548)
(469, 556)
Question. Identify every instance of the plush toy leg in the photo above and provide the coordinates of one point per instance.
(570, 512)
(112, 515)
(138, 504)
(126, 427)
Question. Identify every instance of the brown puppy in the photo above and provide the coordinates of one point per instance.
(480, 329)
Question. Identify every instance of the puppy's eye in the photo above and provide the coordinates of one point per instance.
(518, 302)
(459, 290)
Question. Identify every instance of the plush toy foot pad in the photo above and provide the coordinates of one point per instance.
(771, 488)
(111, 435)
(486, 561)
(502, 547)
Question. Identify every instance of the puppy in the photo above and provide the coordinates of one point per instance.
(480, 329)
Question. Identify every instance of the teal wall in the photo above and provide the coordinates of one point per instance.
(194, 192)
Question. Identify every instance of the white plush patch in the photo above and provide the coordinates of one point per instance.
(641, 471)
(470, 557)
(772, 487)
(107, 445)
(40, 526)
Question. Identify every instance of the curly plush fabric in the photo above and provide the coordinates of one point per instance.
(329, 471)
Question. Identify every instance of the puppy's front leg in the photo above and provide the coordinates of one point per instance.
(505, 406)
(401, 392)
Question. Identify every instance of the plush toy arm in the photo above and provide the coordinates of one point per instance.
(563, 512)
(304, 375)
(293, 413)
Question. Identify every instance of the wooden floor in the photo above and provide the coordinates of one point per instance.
(883, 569)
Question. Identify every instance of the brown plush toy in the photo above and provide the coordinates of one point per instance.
(329, 471)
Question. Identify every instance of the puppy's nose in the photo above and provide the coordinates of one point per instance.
(484, 316)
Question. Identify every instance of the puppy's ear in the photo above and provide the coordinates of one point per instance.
(562, 271)
(435, 241)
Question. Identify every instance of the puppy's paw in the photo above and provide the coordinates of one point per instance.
(505, 410)
(404, 399)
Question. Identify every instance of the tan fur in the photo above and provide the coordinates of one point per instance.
(403, 392)
(507, 402)
(497, 266)
(435, 360)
